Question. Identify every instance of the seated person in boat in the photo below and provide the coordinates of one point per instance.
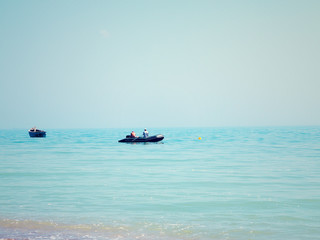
(133, 134)
(145, 133)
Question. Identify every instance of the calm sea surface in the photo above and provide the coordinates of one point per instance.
(234, 183)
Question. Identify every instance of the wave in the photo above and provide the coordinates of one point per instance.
(31, 230)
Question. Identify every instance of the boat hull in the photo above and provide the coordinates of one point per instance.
(37, 134)
(155, 138)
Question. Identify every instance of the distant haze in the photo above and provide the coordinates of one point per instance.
(83, 64)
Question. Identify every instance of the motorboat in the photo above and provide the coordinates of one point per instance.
(34, 132)
(130, 139)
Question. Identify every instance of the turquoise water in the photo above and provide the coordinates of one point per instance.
(234, 183)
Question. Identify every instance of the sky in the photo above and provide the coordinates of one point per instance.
(168, 63)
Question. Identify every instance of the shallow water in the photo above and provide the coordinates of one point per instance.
(234, 183)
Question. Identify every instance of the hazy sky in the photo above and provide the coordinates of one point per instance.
(79, 64)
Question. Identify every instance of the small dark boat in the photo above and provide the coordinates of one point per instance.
(34, 132)
(155, 138)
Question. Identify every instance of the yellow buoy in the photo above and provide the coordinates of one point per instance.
(199, 138)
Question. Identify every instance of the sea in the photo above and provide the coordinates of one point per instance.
(223, 183)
